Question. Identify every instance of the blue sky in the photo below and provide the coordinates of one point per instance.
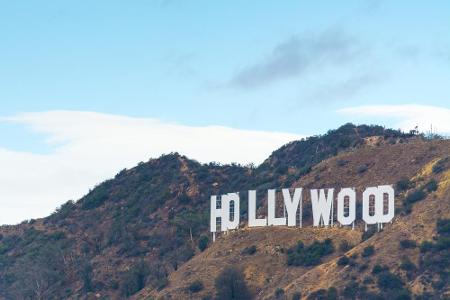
(281, 69)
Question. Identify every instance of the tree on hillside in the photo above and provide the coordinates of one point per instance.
(230, 284)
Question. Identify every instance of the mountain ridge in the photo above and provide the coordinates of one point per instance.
(131, 234)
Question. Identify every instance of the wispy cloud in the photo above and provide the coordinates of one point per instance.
(407, 116)
(90, 147)
(344, 89)
(298, 55)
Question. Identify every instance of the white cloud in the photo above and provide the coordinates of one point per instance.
(90, 147)
(407, 116)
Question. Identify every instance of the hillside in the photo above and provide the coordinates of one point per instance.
(267, 270)
(141, 233)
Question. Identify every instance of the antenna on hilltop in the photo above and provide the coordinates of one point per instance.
(415, 131)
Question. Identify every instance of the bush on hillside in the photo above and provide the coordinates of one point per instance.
(426, 246)
(63, 211)
(323, 294)
(96, 197)
(439, 166)
(230, 285)
(184, 199)
(431, 186)
(332, 293)
(133, 280)
(407, 265)
(343, 261)
(408, 244)
(435, 256)
(388, 280)
(443, 227)
(203, 242)
(195, 286)
(403, 184)
(317, 295)
(341, 162)
(368, 251)
(279, 293)
(362, 168)
(415, 196)
(250, 250)
(351, 290)
(301, 255)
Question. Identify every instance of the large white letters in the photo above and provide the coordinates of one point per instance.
(388, 191)
(351, 195)
(377, 208)
(292, 204)
(224, 212)
(252, 220)
(272, 220)
(378, 194)
(321, 206)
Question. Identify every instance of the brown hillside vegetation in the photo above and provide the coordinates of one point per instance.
(145, 233)
(266, 270)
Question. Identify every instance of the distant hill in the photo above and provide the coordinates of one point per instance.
(145, 233)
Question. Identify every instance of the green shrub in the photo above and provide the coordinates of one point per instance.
(443, 243)
(368, 251)
(387, 280)
(279, 293)
(203, 242)
(363, 267)
(426, 246)
(195, 286)
(343, 261)
(341, 162)
(281, 169)
(96, 197)
(230, 285)
(439, 166)
(415, 196)
(250, 250)
(408, 244)
(63, 211)
(403, 184)
(362, 168)
(134, 279)
(184, 199)
(400, 294)
(431, 186)
(86, 277)
(443, 227)
(311, 255)
(407, 265)
(332, 293)
(318, 295)
(351, 290)
(379, 268)
(322, 294)
(296, 296)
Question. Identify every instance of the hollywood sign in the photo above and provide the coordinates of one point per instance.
(377, 208)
